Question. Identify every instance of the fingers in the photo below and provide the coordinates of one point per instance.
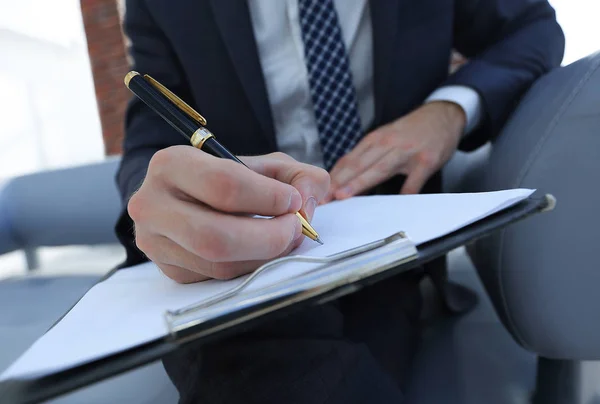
(219, 237)
(363, 156)
(181, 275)
(358, 173)
(328, 197)
(186, 267)
(190, 237)
(222, 184)
(312, 182)
(372, 176)
(376, 158)
(416, 179)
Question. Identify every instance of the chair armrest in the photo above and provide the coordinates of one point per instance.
(72, 206)
(542, 274)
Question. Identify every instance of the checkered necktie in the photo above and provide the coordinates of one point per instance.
(330, 79)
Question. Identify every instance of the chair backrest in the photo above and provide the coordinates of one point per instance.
(543, 274)
(72, 206)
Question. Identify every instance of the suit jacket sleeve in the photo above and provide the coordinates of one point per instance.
(509, 44)
(145, 131)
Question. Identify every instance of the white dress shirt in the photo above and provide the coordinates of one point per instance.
(281, 51)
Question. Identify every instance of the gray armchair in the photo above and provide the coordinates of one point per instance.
(543, 274)
(537, 327)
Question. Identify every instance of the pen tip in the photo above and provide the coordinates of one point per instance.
(318, 240)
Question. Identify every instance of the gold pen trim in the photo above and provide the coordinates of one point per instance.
(200, 137)
(307, 229)
(176, 100)
(129, 76)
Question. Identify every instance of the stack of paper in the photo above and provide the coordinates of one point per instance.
(127, 309)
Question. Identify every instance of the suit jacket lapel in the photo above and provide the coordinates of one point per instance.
(384, 20)
(235, 26)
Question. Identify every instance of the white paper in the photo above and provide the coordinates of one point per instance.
(127, 309)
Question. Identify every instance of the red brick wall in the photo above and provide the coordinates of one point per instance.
(101, 20)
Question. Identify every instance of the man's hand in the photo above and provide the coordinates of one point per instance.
(416, 145)
(192, 213)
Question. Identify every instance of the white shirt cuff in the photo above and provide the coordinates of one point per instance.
(467, 98)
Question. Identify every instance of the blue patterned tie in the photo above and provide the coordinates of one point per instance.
(330, 79)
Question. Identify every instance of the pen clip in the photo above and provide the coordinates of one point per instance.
(176, 100)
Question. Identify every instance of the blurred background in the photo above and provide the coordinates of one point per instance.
(62, 98)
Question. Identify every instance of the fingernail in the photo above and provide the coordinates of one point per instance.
(295, 202)
(309, 207)
(345, 192)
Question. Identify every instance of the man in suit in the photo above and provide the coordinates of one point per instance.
(331, 98)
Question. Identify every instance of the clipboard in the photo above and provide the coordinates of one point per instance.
(391, 256)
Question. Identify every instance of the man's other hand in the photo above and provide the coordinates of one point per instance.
(192, 214)
(416, 145)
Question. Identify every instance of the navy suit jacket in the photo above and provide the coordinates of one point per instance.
(205, 52)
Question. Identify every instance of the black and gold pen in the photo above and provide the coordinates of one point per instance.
(189, 123)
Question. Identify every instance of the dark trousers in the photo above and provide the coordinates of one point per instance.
(357, 349)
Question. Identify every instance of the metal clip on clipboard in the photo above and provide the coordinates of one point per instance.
(335, 270)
